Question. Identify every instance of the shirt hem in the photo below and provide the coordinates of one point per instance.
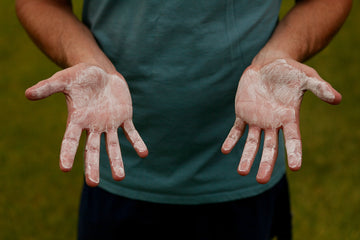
(191, 199)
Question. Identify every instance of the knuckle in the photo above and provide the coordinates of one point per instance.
(92, 148)
(252, 140)
(113, 144)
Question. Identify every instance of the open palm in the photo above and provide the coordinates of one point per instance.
(268, 99)
(99, 103)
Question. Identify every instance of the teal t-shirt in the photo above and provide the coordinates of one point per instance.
(182, 60)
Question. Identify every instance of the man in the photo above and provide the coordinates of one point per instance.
(182, 61)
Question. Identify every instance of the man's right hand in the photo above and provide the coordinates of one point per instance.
(98, 102)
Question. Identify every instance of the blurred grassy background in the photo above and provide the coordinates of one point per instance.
(38, 201)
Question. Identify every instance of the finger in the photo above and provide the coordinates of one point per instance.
(250, 150)
(317, 85)
(323, 90)
(233, 136)
(92, 152)
(113, 149)
(136, 141)
(69, 146)
(269, 156)
(293, 145)
(46, 87)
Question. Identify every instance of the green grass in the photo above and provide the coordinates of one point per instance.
(325, 196)
(38, 201)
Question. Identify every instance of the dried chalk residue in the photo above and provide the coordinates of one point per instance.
(268, 99)
(271, 96)
(99, 103)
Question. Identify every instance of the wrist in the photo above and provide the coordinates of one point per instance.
(100, 60)
(74, 52)
(268, 55)
(104, 64)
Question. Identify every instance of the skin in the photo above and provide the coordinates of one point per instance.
(269, 99)
(271, 88)
(97, 102)
(273, 85)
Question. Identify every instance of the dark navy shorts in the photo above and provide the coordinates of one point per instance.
(105, 216)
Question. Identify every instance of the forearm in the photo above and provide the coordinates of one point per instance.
(305, 30)
(59, 34)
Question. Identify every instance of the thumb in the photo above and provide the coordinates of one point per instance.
(46, 88)
(323, 90)
(316, 84)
